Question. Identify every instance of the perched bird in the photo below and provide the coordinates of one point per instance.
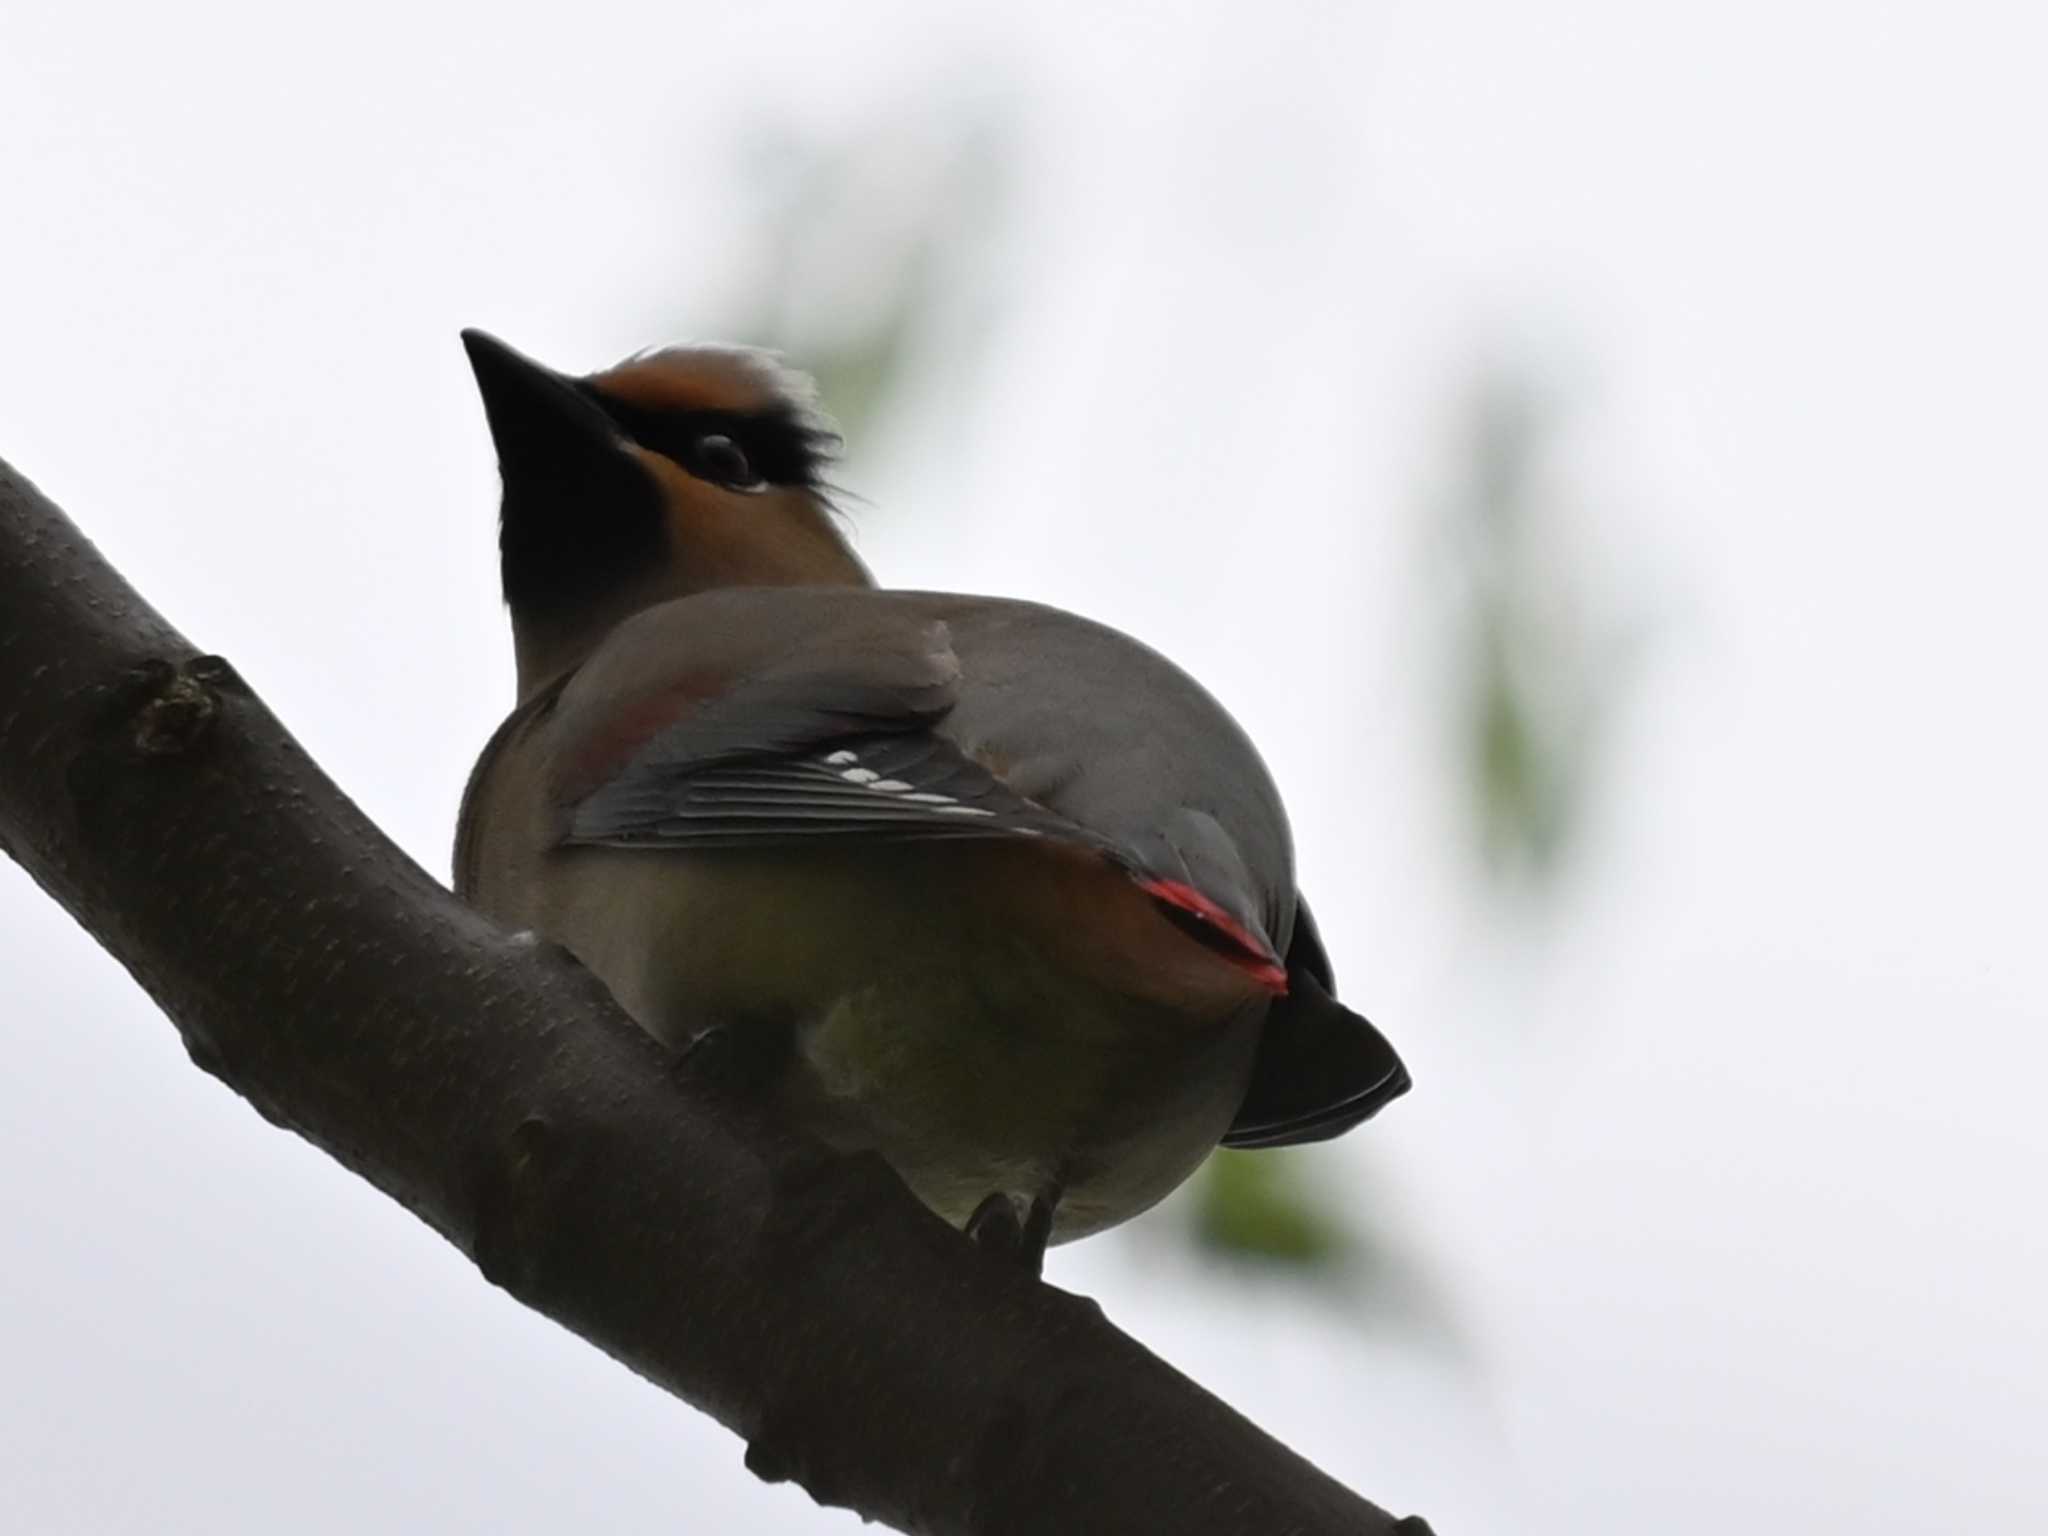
(987, 888)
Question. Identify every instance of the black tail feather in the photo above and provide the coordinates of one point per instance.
(1321, 1069)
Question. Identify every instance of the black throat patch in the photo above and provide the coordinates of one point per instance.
(571, 530)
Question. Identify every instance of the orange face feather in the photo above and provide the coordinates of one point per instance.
(772, 535)
(707, 378)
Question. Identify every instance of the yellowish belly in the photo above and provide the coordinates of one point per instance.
(989, 1018)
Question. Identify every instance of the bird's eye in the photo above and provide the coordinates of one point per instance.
(718, 458)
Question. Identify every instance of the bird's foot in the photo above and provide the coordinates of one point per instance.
(735, 1059)
(1018, 1231)
(709, 1052)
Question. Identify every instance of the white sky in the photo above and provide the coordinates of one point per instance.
(1731, 1171)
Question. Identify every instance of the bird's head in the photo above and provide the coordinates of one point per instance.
(674, 472)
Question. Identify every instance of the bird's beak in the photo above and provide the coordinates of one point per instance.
(544, 425)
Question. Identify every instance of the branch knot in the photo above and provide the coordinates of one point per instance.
(181, 705)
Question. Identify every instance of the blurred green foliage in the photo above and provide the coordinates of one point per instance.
(1536, 674)
(872, 256)
(1258, 1205)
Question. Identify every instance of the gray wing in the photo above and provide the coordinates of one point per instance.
(779, 720)
(779, 716)
(905, 785)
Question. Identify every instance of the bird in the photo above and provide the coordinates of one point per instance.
(982, 886)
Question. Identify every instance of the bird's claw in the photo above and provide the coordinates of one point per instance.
(1018, 1231)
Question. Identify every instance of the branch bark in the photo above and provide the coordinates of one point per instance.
(493, 1088)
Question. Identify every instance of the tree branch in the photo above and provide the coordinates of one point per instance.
(492, 1087)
